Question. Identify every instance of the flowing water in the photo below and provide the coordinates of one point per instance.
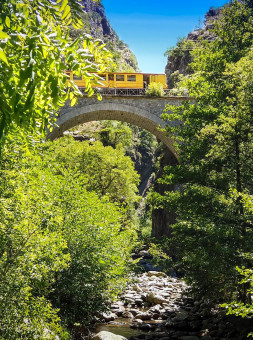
(121, 326)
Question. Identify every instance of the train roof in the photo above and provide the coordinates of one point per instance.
(145, 74)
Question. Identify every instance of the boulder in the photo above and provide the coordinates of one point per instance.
(134, 311)
(145, 327)
(143, 316)
(109, 316)
(155, 298)
(138, 321)
(107, 336)
(127, 314)
(181, 316)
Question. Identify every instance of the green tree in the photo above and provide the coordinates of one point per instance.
(100, 248)
(61, 245)
(35, 52)
(214, 139)
(30, 254)
(108, 171)
(115, 133)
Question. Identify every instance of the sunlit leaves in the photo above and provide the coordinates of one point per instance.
(4, 35)
(108, 171)
(60, 236)
(30, 254)
(3, 56)
(35, 52)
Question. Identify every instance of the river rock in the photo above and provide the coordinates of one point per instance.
(145, 327)
(143, 316)
(136, 288)
(134, 311)
(155, 302)
(181, 316)
(108, 316)
(144, 253)
(127, 314)
(107, 336)
(138, 321)
(155, 298)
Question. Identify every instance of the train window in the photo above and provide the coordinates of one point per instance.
(120, 77)
(131, 78)
(75, 77)
(111, 77)
(103, 76)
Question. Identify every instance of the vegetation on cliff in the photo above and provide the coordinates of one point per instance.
(98, 26)
(180, 56)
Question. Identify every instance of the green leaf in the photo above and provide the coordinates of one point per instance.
(4, 35)
(3, 57)
(99, 97)
(73, 101)
(66, 12)
(63, 5)
(8, 22)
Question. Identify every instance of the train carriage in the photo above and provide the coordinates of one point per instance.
(123, 80)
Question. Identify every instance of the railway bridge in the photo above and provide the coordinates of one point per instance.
(137, 109)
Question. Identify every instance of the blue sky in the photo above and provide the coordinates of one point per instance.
(149, 27)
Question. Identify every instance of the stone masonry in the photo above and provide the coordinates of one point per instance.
(142, 111)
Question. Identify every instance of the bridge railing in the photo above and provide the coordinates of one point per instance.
(121, 92)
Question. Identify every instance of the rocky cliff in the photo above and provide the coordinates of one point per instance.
(179, 57)
(97, 24)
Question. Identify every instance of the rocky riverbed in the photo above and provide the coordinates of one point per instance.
(156, 306)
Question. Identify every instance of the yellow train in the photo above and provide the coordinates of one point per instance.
(123, 80)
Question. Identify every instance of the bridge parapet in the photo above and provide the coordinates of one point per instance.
(118, 92)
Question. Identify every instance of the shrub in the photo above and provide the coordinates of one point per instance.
(155, 89)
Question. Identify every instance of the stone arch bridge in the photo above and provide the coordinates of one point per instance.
(142, 111)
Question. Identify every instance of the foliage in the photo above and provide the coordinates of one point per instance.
(98, 233)
(35, 52)
(99, 247)
(244, 309)
(155, 89)
(179, 92)
(158, 249)
(137, 143)
(123, 59)
(179, 58)
(213, 136)
(183, 46)
(61, 244)
(30, 254)
(107, 171)
(115, 133)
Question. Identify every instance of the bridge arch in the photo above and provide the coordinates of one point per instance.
(141, 111)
